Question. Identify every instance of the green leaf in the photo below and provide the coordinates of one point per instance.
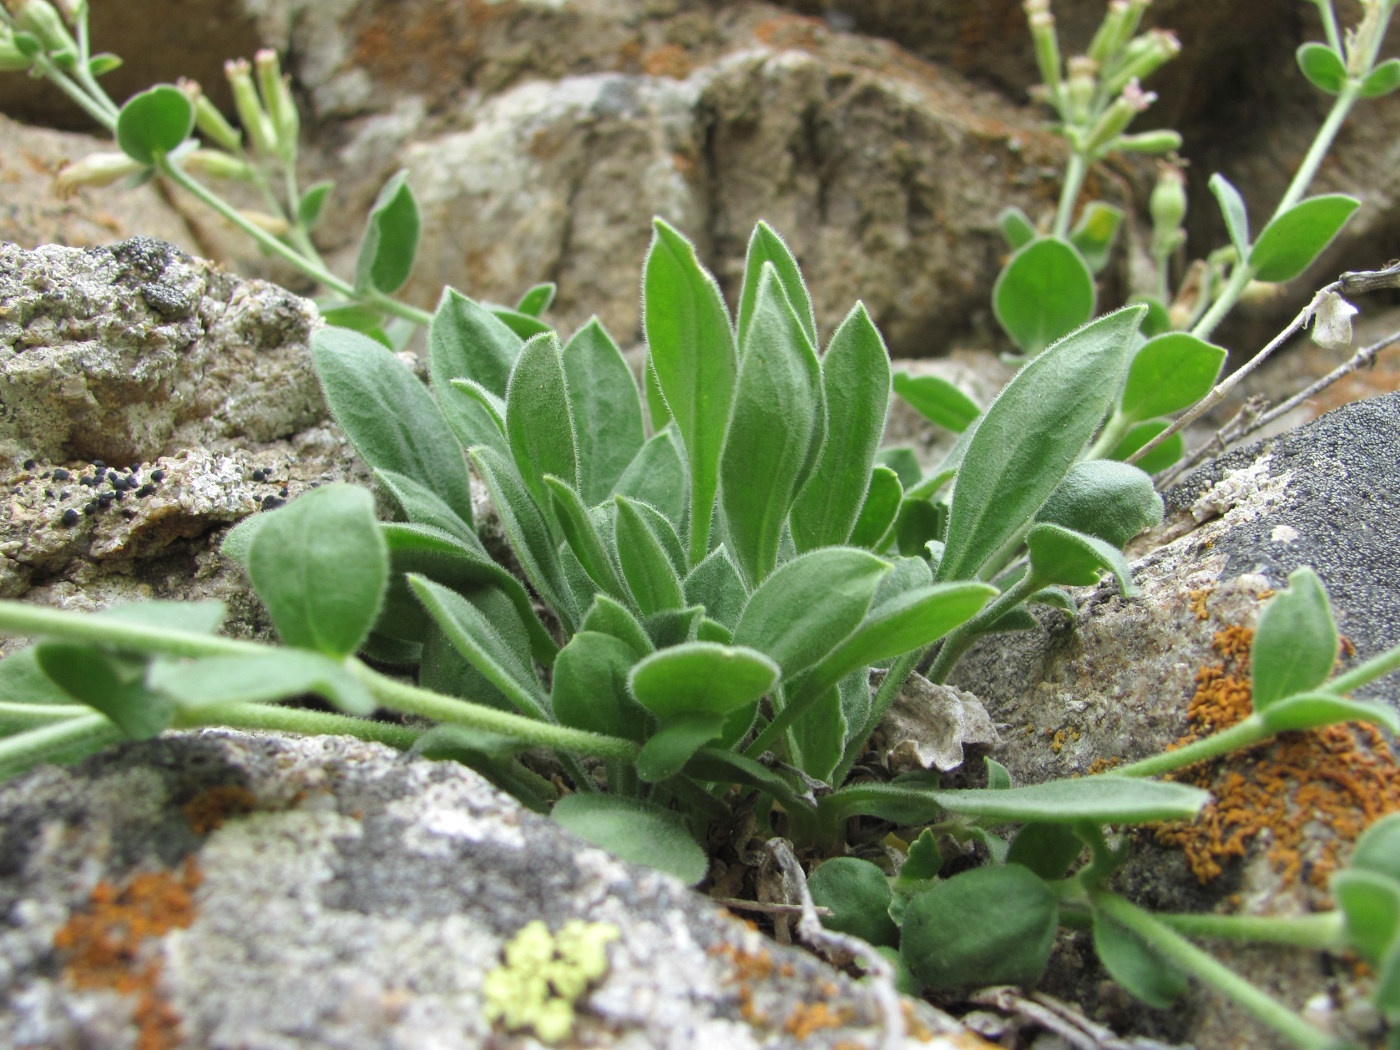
(1314, 710)
(921, 866)
(1382, 80)
(277, 674)
(668, 749)
(656, 476)
(154, 122)
(1029, 437)
(1105, 799)
(202, 617)
(103, 62)
(1161, 457)
(389, 417)
(1047, 849)
(998, 776)
(113, 685)
(1141, 971)
(590, 686)
(607, 410)
(423, 505)
(1323, 67)
(478, 640)
(937, 400)
(701, 677)
(312, 202)
(321, 566)
(1370, 906)
(525, 326)
(1093, 235)
(765, 246)
(1104, 498)
(646, 567)
(1169, 373)
(22, 681)
(539, 419)
(481, 423)
(1293, 240)
(858, 894)
(1016, 227)
(716, 584)
(390, 241)
(537, 299)
(691, 348)
(856, 388)
(878, 512)
(637, 832)
(810, 605)
(467, 341)
(1045, 292)
(583, 537)
(984, 926)
(1378, 847)
(1233, 209)
(900, 803)
(527, 529)
(611, 617)
(777, 417)
(1295, 641)
(713, 763)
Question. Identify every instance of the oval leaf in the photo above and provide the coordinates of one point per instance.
(668, 749)
(701, 678)
(111, 684)
(539, 418)
(1291, 242)
(1295, 641)
(635, 831)
(154, 122)
(589, 690)
(858, 895)
(1313, 710)
(1105, 799)
(607, 410)
(1322, 66)
(937, 400)
(1142, 972)
(985, 926)
(1169, 373)
(1045, 292)
(321, 566)
(1382, 80)
(1113, 501)
(1233, 209)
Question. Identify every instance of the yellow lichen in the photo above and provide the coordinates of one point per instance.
(545, 974)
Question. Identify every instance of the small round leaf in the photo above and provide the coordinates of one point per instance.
(635, 831)
(701, 678)
(154, 122)
(1100, 497)
(1322, 66)
(858, 894)
(1045, 292)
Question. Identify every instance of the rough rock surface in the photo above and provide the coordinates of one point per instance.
(148, 892)
(1117, 682)
(193, 390)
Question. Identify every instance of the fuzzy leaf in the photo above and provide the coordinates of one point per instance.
(1382, 80)
(312, 202)
(701, 677)
(1047, 849)
(590, 686)
(581, 531)
(390, 240)
(691, 350)
(637, 832)
(607, 410)
(278, 674)
(878, 512)
(539, 418)
(1030, 436)
(113, 685)
(668, 749)
(1295, 641)
(321, 567)
(1314, 710)
(1105, 799)
(776, 417)
(392, 421)
(937, 400)
(1093, 235)
(856, 387)
(646, 567)
(765, 246)
(1016, 227)
(1169, 373)
(1140, 970)
(1044, 293)
(1161, 457)
(1293, 240)
(858, 894)
(656, 476)
(423, 505)
(1103, 498)
(537, 299)
(716, 584)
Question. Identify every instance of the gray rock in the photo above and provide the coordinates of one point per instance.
(265, 892)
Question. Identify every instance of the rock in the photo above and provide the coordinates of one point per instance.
(1124, 679)
(194, 391)
(220, 889)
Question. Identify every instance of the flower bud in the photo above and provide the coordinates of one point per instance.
(40, 18)
(12, 59)
(272, 224)
(218, 165)
(1047, 45)
(1112, 33)
(1162, 140)
(96, 169)
(1080, 86)
(1141, 57)
(250, 111)
(1115, 120)
(208, 119)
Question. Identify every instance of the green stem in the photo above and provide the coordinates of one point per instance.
(286, 252)
(25, 750)
(1180, 952)
(12, 713)
(1113, 432)
(1075, 172)
(302, 722)
(1324, 931)
(1241, 734)
(1376, 667)
(91, 106)
(957, 642)
(22, 618)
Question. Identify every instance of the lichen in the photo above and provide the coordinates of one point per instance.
(545, 974)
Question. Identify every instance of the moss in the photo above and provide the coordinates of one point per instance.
(545, 974)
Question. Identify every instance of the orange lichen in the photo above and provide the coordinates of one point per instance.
(208, 810)
(807, 1018)
(1103, 765)
(1060, 737)
(102, 945)
(1309, 793)
(1198, 602)
(668, 60)
(790, 31)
